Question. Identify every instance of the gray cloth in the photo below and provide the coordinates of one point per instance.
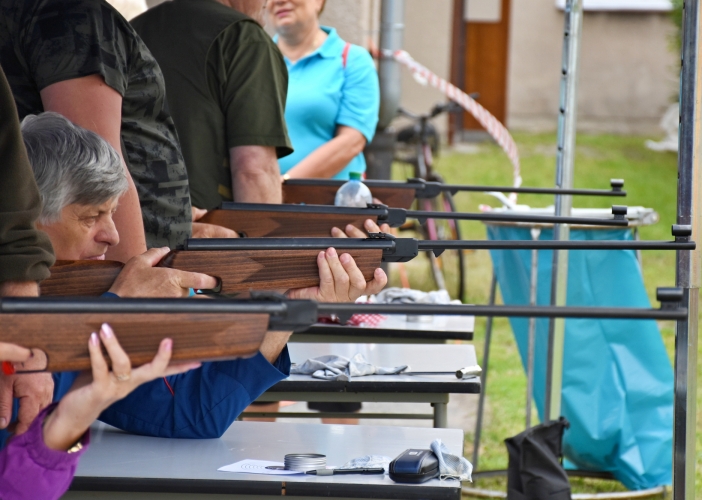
(451, 466)
(332, 367)
(408, 296)
(367, 462)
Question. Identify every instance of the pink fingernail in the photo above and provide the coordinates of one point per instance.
(107, 331)
(345, 258)
(94, 339)
(168, 345)
(3, 423)
(332, 252)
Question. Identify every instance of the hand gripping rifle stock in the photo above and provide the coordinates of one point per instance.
(258, 220)
(202, 330)
(278, 264)
(402, 194)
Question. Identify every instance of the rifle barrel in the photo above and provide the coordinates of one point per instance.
(526, 218)
(555, 245)
(430, 189)
(389, 244)
(345, 310)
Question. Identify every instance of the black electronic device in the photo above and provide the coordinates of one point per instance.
(414, 466)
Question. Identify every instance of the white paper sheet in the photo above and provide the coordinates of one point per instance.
(257, 467)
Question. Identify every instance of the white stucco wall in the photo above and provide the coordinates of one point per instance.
(627, 72)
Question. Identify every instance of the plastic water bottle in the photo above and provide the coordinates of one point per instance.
(353, 193)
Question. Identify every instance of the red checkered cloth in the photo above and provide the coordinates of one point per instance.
(367, 320)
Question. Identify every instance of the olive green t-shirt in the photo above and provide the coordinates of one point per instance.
(25, 252)
(226, 84)
(43, 42)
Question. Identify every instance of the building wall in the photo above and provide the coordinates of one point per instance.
(627, 71)
(427, 38)
(627, 78)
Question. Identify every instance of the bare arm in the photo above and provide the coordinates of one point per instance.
(19, 289)
(255, 174)
(331, 158)
(92, 104)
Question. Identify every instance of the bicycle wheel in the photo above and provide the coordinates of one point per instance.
(447, 269)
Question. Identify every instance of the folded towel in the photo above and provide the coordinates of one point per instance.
(332, 367)
(451, 466)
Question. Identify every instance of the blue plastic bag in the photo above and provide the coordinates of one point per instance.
(617, 378)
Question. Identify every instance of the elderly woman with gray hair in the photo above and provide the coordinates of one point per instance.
(80, 180)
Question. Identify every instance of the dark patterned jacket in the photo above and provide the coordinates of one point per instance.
(43, 42)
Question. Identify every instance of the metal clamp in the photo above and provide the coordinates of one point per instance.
(670, 298)
(619, 212)
(616, 184)
(682, 232)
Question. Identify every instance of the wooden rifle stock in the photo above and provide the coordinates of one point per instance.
(244, 270)
(80, 278)
(261, 223)
(400, 197)
(63, 336)
(237, 270)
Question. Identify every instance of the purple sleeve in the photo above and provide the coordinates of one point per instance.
(28, 469)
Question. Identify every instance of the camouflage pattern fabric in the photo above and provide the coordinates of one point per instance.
(48, 41)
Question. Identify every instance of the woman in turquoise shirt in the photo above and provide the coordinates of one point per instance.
(333, 93)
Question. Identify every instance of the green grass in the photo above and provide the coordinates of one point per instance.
(650, 180)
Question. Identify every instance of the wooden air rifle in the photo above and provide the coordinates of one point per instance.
(222, 329)
(257, 220)
(402, 194)
(243, 264)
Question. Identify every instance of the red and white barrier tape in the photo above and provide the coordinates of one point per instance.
(491, 124)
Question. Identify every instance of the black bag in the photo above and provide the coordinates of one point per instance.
(535, 471)
(414, 466)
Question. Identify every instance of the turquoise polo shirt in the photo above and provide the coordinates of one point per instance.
(322, 95)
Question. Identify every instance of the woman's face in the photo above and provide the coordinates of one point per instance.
(291, 14)
(85, 232)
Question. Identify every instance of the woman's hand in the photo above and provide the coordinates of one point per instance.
(340, 280)
(354, 232)
(94, 391)
(141, 278)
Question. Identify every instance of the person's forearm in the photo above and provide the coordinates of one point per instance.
(273, 345)
(255, 174)
(329, 159)
(19, 289)
(257, 187)
(61, 432)
(130, 226)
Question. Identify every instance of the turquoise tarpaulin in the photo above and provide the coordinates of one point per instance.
(617, 378)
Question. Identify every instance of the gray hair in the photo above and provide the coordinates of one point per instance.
(70, 164)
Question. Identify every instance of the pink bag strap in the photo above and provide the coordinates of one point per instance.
(345, 54)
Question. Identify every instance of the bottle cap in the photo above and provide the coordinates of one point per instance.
(355, 176)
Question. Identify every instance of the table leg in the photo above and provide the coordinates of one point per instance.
(440, 415)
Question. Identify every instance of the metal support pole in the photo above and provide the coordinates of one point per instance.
(483, 377)
(688, 272)
(392, 18)
(564, 180)
(440, 415)
(531, 341)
